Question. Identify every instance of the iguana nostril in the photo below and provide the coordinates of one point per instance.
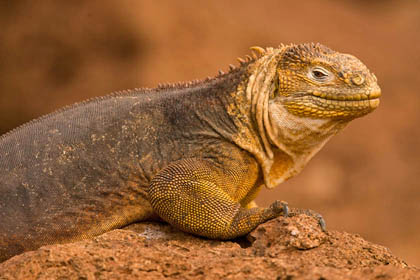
(357, 79)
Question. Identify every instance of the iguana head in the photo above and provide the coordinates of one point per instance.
(316, 82)
(300, 96)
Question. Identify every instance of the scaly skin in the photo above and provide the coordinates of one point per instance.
(195, 154)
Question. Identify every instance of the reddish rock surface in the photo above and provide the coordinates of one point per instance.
(284, 248)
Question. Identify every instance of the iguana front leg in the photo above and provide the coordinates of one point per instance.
(189, 195)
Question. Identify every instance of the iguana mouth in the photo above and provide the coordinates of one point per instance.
(348, 97)
(326, 105)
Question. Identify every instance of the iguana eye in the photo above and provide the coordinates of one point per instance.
(320, 74)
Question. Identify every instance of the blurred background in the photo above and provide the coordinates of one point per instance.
(366, 180)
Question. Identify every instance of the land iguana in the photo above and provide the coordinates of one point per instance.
(194, 154)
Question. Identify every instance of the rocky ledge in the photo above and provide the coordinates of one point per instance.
(284, 248)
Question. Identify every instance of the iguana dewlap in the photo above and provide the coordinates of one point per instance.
(195, 154)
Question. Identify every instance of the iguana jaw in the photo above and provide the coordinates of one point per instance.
(317, 104)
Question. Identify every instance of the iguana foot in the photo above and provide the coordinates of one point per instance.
(278, 207)
(311, 213)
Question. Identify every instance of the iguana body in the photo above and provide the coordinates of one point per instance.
(195, 154)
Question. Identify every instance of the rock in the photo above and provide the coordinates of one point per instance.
(284, 248)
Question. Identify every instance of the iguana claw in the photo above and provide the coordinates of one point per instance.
(285, 209)
(311, 213)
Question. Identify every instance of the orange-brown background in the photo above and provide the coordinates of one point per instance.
(366, 180)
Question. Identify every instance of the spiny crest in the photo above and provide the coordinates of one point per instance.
(256, 53)
(179, 84)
